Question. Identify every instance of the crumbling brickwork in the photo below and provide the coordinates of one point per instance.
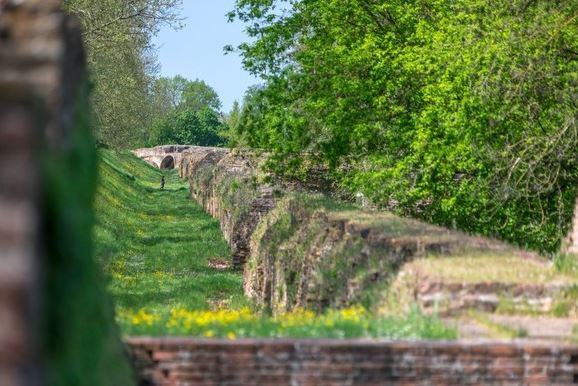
(302, 250)
(225, 182)
(19, 238)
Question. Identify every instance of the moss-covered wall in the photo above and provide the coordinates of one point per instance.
(301, 249)
(227, 184)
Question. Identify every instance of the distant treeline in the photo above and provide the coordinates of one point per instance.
(132, 105)
(460, 112)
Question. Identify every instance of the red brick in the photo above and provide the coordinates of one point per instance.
(345, 362)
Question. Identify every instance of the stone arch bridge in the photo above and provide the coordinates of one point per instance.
(168, 156)
(163, 157)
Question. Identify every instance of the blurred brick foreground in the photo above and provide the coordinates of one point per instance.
(40, 68)
(38, 44)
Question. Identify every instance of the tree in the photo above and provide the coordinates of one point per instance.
(197, 96)
(179, 93)
(187, 112)
(122, 62)
(201, 128)
(231, 121)
(459, 112)
(167, 93)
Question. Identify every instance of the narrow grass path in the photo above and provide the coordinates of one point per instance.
(155, 245)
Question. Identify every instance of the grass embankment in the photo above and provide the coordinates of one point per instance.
(156, 245)
(163, 256)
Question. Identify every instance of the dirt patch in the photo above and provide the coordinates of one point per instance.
(219, 264)
(477, 326)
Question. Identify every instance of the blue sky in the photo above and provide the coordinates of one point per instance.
(196, 51)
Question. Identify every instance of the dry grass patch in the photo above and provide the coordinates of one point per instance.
(476, 268)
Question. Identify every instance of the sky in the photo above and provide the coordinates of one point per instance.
(196, 51)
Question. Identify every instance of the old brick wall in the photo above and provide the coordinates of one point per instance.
(46, 159)
(34, 43)
(226, 183)
(172, 362)
(19, 238)
(301, 250)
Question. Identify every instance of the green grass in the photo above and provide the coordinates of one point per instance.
(566, 263)
(353, 322)
(155, 246)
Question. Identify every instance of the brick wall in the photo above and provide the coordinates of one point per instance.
(172, 362)
(32, 48)
(45, 187)
(298, 250)
(19, 235)
(225, 183)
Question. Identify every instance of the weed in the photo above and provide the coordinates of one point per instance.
(566, 263)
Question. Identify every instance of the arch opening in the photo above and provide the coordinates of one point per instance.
(168, 162)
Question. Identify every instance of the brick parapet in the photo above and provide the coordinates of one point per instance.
(179, 361)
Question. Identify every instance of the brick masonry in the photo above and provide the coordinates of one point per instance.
(19, 235)
(180, 362)
(37, 42)
(42, 79)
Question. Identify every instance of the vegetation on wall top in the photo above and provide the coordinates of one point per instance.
(462, 113)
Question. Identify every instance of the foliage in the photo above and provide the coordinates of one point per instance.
(80, 339)
(201, 128)
(566, 263)
(180, 94)
(458, 112)
(353, 322)
(187, 113)
(199, 96)
(168, 94)
(122, 62)
(231, 121)
(156, 246)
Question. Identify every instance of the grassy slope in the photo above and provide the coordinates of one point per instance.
(155, 245)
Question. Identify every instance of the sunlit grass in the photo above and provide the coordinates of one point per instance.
(155, 245)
